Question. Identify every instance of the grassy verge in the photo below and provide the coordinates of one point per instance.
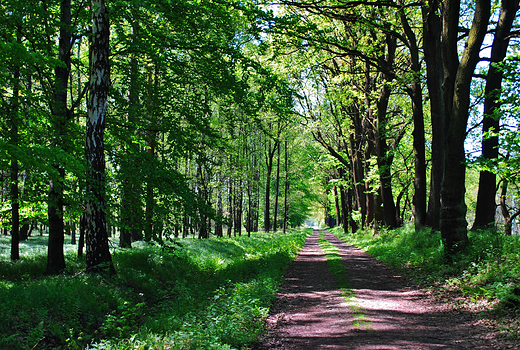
(196, 294)
(485, 277)
(343, 280)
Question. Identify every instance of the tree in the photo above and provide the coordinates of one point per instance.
(15, 195)
(457, 83)
(486, 204)
(98, 253)
(61, 115)
(432, 27)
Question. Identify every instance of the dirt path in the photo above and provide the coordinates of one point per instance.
(387, 312)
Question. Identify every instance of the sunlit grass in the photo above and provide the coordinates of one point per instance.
(193, 294)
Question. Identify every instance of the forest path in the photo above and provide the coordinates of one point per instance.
(385, 311)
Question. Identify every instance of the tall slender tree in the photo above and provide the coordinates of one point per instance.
(55, 255)
(486, 201)
(98, 253)
(14, 190)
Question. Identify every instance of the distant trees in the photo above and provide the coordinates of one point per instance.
(203, 119)
(161, 136)
(361, 81)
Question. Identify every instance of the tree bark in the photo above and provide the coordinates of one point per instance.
(453, 213)
(14, 190)
(336, 205)
(384, 158)
(432, 26)
(286, 190)
(415, 92)
(131, 188)
(269, 164)
(97, 250)
(508, 218)
(55, 255)
(82, 228)
(277, 195)
(230, 206)
(220, 212)
(486, 202)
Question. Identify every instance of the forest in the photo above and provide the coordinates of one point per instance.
(148, 124)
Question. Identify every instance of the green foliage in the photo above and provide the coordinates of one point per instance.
(188, 294)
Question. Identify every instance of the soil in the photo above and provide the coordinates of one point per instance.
(387, 311)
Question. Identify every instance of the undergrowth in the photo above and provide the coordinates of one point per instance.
(192, 294)
(489, 269)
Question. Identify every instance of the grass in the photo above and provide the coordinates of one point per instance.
(487, 273)
(343, 280)
(195, 294)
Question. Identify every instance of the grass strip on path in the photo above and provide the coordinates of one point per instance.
(342, 278)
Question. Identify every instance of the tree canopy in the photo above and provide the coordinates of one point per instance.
(162, 119)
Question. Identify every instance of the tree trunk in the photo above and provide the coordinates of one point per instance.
(336, 205)
(277, 195)
(72, 232)
(415, 92)
(14, 190)
(151, 139)
(357, 176)
(239, 194)
(220, 212)
(98, 253)
(55, 255)
(486, 203)
(345, 201)
(230, 206)
(434, 72)
(384, 158)
(131, 214)
(508, 218)
(24, 230)
(82, 228)
(269, 165)
(453, 213)
(286, 190)
(350, 208)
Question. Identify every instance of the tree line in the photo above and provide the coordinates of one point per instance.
(396, 92)
(171, 118)
(157, 118)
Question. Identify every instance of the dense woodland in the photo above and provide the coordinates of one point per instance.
(162, 119)
(134, 133)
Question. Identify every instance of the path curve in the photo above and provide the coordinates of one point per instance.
(387, 312)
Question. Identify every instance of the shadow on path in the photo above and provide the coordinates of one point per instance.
(311, 313)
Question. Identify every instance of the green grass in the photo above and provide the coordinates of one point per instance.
(343, 280)
(196, 294)
(488, 270)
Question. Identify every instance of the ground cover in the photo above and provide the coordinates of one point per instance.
(191, 294)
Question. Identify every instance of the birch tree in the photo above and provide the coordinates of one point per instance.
(97, 250)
